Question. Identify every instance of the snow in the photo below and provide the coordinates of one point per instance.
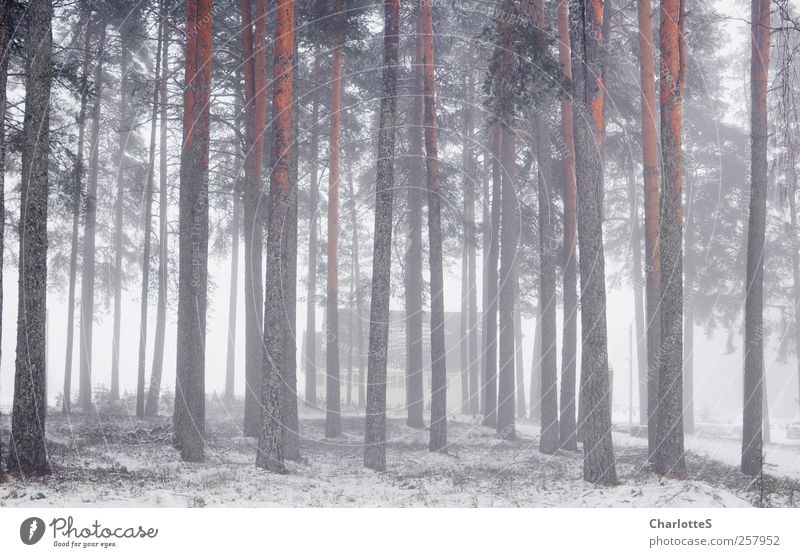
(116, 460)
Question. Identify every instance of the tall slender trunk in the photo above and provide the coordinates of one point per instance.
(124, 128)
(486, 240)
(5, 41)
(151, 406)
(278, 272)
(689, 276)
(491, 278)
(375, 431)
(148, 217)
(254, 56)
(509, 243)
(548, 245)
(333, 418)
(90, 231)
(438, 439)
(290, 422)
(650, 170)
(752, 431)
(359, 325)
(230, 360)
(28, 454)
(567, 426)
(669, 452)
(313, 217)
(189, 416)
(535, 392)
(638, 295)
(413, 280)
(463, 341)
(589, 130)
(468, 341)
(76, 210)
(519, 360)
(471, 239)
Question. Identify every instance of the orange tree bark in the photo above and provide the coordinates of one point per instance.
(189, 416)
(438, 438)
(651, 217)
(589, 129)
(567, 425)
(276, 320)
(375, 434)
(254, 61)
(333, 419)
(669, 459)
(413, 276)
(752, 442)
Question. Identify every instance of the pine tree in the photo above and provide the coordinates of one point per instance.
(189, 416)
(589, 128)
(752, 442)
(28, 454)
(375, 433)
(270, 447)
(438, 439)
(567, 427)
(651, 216)
(669, 440)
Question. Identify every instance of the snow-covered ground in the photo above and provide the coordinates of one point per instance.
(119, 460)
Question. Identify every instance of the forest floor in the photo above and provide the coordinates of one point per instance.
(114, 459)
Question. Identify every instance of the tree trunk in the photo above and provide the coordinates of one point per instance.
(463, 341)
(638, 295)
(650, 169)
(151, 407)
(76, 211)
(690, 277)
(230, 360)
(290, 423)
(254, 56)
(333, 418)
(28, 455)
(89, 233)
(124, 128)
(190, 401)
(276, 319)
(5, 39)
(567, 426)
(438, 439)
(359, 325)
(589, 129)
(375, 433)
(471, 239)
(752, 431)
(519, 366)
(313, 217)
(509, 242)
(148, 217)
(491, 278)
(669, 454)
(548, 245)
(413, 280)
